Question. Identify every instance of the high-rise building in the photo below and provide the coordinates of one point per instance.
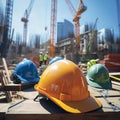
(105, 39)
(7, 27)
(8, 17)
(64, 30)
(1, 24)
(105, 35)
(1, 13)
(83, 29)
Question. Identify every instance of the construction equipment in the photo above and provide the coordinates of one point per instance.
(25, 20)
(77, 13)
(53, 28)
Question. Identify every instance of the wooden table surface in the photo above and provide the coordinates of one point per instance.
(27, 105)
(42, 105)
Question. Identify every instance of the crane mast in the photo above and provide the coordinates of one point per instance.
(25, 20)
(76, 13)
(53, 28)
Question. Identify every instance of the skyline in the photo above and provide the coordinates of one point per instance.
(39, 18)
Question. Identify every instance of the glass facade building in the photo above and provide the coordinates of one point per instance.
(64, 30)
(104, 35)
(83, 29)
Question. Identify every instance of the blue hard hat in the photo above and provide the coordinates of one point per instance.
(55, 59)
(26, 71)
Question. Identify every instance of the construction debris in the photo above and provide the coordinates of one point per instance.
(112, 62)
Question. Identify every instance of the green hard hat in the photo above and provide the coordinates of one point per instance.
(98, 76)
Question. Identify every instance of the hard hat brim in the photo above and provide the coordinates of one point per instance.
(34, 80)
(87, 105)
(106, 85)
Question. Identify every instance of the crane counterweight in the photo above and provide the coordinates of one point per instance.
(81, 10)
(24, 20)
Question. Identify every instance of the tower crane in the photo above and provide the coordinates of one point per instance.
(53, 27)
(25, 20)
(76, 14)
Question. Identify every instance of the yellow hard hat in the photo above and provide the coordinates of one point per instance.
(65, 84)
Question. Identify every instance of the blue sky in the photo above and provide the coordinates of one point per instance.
(105, 10)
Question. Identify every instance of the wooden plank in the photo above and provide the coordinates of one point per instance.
(4, 107)
(84, 116)
(5, 82)
(4, 86)
(116, 83)
(114, 92)
(110, 104)
(4, 78)
(30, 106)
(115, 78)
(12, 66)
(27, 85)
(114, 73)
(28, 93)
(11, 87)
(15, 87)
(6, 69)
(1, 86)
(1, 67)
(46, 106)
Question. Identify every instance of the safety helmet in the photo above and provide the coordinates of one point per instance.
(98, 76)
(26, 71)
(55, 59)
(64, 84)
